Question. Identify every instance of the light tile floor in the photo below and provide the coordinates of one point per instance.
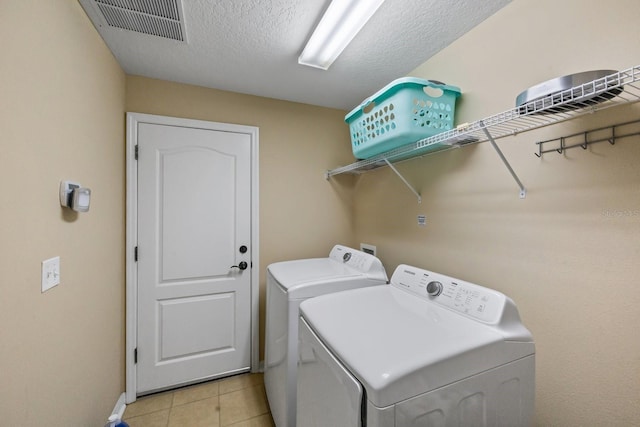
(238, 401)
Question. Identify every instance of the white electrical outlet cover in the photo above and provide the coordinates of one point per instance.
(50, 273)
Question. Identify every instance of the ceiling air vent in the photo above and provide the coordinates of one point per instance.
(161, 18)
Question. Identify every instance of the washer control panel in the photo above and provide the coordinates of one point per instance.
(463, 297)
(434, 288)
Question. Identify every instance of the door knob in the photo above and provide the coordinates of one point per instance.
(242, 266)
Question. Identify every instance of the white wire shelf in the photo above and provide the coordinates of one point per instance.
(615, 89)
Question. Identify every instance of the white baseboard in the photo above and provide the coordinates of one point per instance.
(120, 407)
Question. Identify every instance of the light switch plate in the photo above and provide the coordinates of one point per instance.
(50, 273)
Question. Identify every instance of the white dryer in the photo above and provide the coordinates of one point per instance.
(288, 284)
(427, 350)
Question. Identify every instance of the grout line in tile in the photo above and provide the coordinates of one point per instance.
(248, 419)
(147, 414)
(243, 386)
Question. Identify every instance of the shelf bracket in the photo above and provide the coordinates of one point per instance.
(523, 191)
(413, 190)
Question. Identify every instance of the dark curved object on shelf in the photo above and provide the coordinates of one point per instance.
(544, 97)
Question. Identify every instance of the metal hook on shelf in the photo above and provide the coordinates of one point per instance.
(539, 153)
(612, 140)
(590, 137)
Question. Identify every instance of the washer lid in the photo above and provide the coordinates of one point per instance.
(292, 273)
(307, 278)
(399, 346)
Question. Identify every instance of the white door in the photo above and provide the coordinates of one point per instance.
(194, 299)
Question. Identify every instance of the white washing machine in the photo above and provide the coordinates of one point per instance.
(288, 284)
(427, 350)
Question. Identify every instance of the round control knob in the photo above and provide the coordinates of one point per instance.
(434, 288)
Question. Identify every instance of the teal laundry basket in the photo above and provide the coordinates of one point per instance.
(403, 112)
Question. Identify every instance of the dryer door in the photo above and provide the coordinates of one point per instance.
(328, 395)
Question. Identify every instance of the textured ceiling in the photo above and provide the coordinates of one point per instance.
(252, 46)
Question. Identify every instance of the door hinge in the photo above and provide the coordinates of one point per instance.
(135, 355)
(135, 254)
(136, 153)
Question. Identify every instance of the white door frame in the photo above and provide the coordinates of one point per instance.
(133, 119)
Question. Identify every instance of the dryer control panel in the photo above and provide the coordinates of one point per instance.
(361, 261)
(484, 304)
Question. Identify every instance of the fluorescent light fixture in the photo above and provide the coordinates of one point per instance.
(339, 25)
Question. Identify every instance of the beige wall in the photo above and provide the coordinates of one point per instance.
(301, 214)
(61, 117)
(568, 253)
